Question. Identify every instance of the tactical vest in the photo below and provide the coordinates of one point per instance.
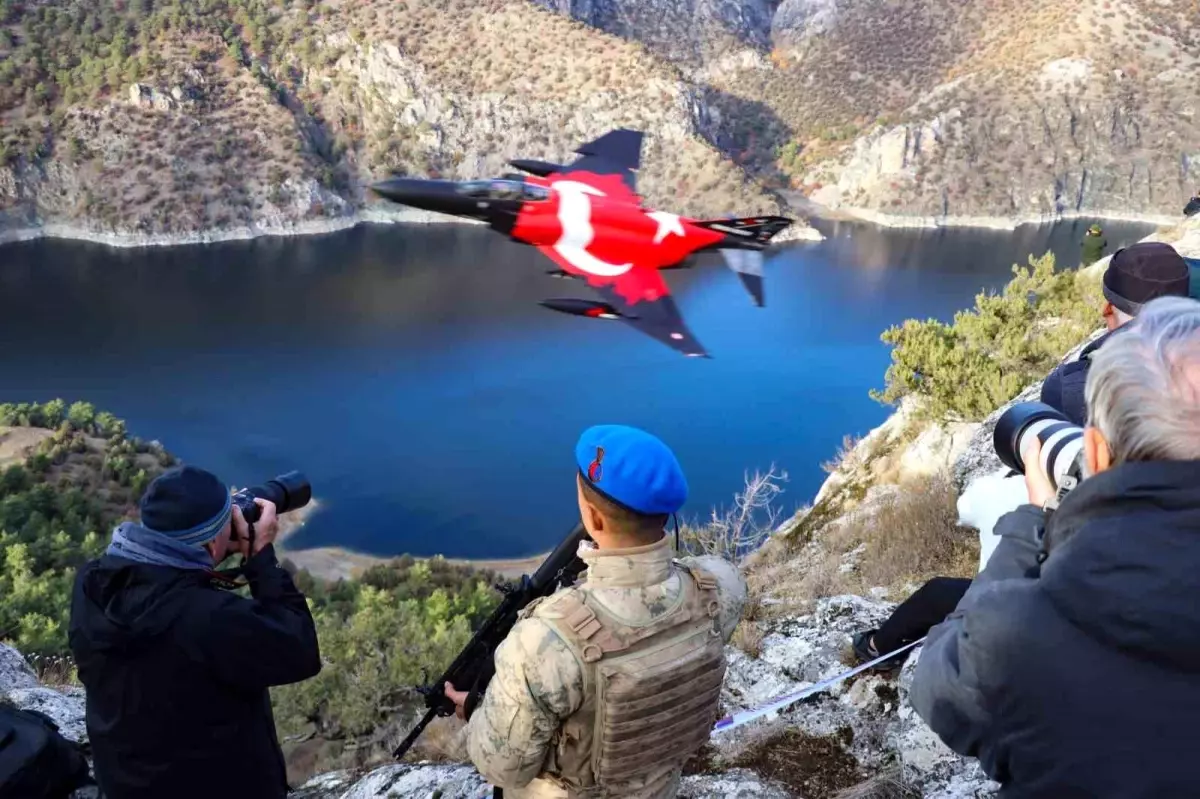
(651, 693)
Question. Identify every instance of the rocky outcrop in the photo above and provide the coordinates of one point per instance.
(1061, 139)
(689, 32)
(795, 20)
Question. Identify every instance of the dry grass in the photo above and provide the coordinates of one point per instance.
(844, 455)
(54, 671)
(912, 534)
(16, 443)
(888, 785)
(814, 766)
(896, 539)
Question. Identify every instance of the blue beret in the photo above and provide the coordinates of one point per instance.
(632, 468)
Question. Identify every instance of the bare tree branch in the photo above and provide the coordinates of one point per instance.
(733, 533)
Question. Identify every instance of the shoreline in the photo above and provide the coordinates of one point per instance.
(987, 222)
(303, 227)
(332, 563)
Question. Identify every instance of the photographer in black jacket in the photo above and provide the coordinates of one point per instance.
(1136, 275)
(1071, 667)
(176, 667)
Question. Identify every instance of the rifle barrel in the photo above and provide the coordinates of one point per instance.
(562, 555)
(414, 734)
(472, 668)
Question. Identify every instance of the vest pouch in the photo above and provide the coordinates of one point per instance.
(656, 703)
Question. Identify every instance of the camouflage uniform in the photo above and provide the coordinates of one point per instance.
(539, 681)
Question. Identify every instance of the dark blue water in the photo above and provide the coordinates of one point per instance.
(434, 405)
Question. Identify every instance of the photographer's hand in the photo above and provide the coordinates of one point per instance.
(1037, 483)
(240, 541)
(267, 526)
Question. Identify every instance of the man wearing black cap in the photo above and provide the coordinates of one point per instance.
(177, 669)
(1135, 276)
(608, 687)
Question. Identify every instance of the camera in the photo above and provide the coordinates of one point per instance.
(287, 492)
(1062, 442)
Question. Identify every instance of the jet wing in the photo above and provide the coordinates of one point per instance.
(618, 152)
(660, 319)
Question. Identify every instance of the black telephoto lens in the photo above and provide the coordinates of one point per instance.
(287, 492)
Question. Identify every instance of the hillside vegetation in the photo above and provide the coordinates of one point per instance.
(161, 116)
(965, 370)
(59, 496)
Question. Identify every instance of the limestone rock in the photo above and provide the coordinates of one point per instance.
(685, 31)
(15, 672)
(412, 781)
(67, 707)
(797, 19)
(145, 96)
(735, 784)
(869, 711)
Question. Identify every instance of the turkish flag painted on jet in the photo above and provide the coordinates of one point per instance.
(595, 227)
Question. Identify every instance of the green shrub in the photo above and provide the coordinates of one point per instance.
(381, 635)
(967, 369)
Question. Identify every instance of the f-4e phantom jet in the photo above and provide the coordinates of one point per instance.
(588, 218)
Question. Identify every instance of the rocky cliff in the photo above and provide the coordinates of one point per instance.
(924, 113)
(689, 32)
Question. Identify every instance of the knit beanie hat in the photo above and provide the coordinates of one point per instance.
(1143, 272)
(186, 504)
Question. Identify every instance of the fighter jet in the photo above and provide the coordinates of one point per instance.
(589, 220)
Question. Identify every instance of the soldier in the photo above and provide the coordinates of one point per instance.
(606, 688)
(1093, 245)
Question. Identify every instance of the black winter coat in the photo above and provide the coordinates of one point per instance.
(1064, 387)
(1080, 679)
(177, 670)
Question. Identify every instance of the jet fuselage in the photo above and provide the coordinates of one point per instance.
(592, 221)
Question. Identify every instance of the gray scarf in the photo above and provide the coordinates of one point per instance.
(134, 542)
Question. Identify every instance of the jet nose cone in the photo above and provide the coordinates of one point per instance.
(442, 196)
(410, 191)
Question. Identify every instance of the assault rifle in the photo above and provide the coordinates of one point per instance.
(473, 668)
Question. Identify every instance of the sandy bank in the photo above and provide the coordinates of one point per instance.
(338, 563)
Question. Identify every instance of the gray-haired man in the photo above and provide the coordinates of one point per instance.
(1071, 668)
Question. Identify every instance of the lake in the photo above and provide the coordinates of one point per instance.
(410, 373)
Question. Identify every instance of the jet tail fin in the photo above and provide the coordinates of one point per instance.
(751, 229)
(748, 264)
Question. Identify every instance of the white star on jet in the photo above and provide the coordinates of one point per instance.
(667, 223)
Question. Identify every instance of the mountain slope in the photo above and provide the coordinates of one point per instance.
(1007, 108)
(172, 117)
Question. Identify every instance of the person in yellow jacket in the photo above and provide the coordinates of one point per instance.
(606, 688)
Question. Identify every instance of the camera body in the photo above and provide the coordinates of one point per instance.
(287, 492)
(1062, 442)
